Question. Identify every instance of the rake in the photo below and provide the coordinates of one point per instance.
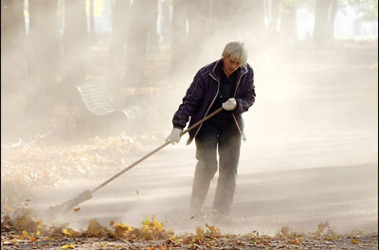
(57, 210)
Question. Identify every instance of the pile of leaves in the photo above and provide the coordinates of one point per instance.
(24, 232)
(28, 168)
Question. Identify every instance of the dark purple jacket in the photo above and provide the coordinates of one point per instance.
(203, 92)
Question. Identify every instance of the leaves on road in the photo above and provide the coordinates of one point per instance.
(153, 235)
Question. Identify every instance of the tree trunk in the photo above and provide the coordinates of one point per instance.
(76, 41)
(117, 52)
(273, 12)
(179, 41)
(143, 26)
(198, 16)
(274, 16)
(222, 17)
(92, 22)
(165, 23)
(13, 78)
(43, 54)
(288, 29)
(190, 31)
(238, 20)
(254, 23)
(13, 36)
(324, 20)
(332, 18)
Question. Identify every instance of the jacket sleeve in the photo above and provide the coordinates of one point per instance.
(247, 98)
(190, 103)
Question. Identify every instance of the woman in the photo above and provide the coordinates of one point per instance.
(228, 83)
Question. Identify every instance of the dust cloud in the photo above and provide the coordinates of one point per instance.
(311, 149)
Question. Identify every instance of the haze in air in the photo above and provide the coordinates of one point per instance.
(311, 152)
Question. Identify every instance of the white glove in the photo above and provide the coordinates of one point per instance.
(174, 137)
(230, 104)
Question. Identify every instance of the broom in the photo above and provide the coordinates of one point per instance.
(60, 209)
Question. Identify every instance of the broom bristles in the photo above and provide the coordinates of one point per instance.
(63, 208)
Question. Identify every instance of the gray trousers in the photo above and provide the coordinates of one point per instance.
(226, 140)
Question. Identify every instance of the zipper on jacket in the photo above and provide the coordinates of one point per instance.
(234, 117)
(214, 98)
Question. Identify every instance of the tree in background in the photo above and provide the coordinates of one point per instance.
(190, 30)
(272, 15)
(288, 22)
(179, 39)
(198, 20)
(43, 53)
(91, 18)
(367, 8)
(75, 42)
(165, 23)
(141, 36)
(13, 37)
(194, 26)
(367, 11)
(238, 20)
(118, 41)
(255, 23)
(325, 13)
(221, 17)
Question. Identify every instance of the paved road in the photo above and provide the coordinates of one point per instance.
(266, 198)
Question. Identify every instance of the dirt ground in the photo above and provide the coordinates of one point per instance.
(308, 173)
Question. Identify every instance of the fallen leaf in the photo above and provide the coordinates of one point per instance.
(94, 228)
(25, 234)
(354, 241)
(68, 246)
(70, 232)
(66, 232)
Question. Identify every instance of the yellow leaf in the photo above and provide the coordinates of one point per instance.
(354, 241)
(213, 230)
(121, 230)
(69, 232)
(25, 234)
(66, 232)
(294, 242)
(68, 246)
(199, 232)
(37, 233)
(157, 224)
(32, 238)
(94, 228)
(146, 222)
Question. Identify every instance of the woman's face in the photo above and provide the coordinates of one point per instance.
(230, 66)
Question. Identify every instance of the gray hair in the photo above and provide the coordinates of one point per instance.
(235, 51)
